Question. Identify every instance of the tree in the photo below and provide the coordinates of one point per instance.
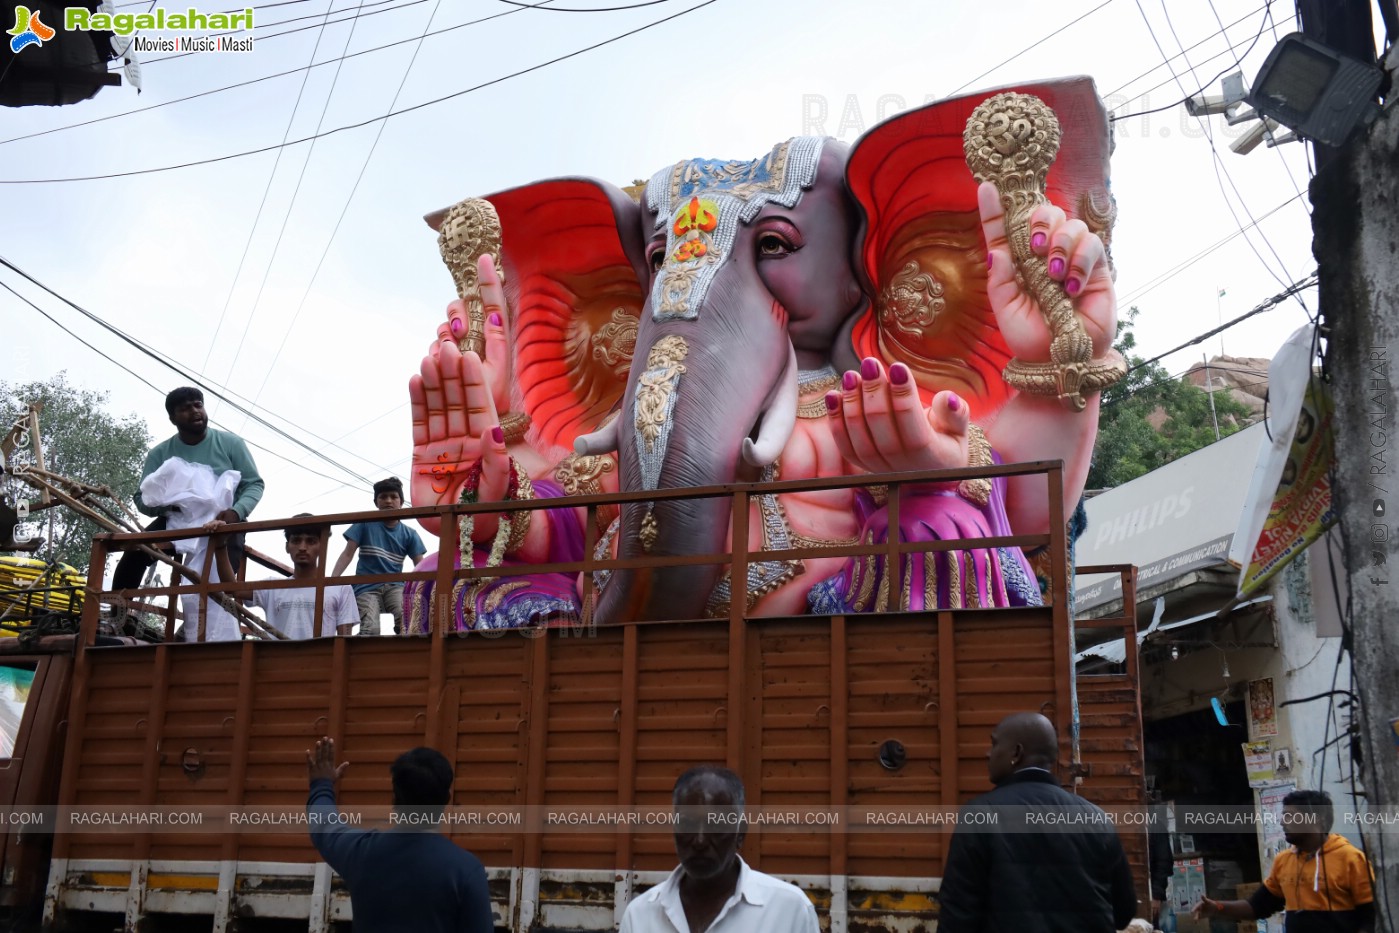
(82, 441)
(1129, 442)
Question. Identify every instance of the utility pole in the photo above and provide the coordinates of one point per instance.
(1209, 387)
(1355, 226)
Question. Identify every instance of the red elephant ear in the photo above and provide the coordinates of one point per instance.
(922, 247)
(572, 254)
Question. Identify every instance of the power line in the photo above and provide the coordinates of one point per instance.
(286, 218)
(151, 385)
(193, 379)
(266, 192)
(372, 120)
(1155, 68)
(1218, 163)
(252, 81)
(343, 210)
(1024, 50)
(1162, 278)
(1267, 16)
(1291, 291)
(291, 32)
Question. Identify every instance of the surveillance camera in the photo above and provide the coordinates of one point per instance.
(1207, 104)
(1250, 140)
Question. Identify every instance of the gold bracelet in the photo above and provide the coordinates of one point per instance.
(520, 520)
(1066, 381)
(514, 424)
(977, 490)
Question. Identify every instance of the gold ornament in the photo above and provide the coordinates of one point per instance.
(657, 384)
(470, 229)
(977, 490)
(912, 300)
(514, 424)
(1011, 140)
(815, 394)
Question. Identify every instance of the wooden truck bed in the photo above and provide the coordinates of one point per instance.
(800, 707)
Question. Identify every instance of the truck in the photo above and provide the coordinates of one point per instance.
(872, 713)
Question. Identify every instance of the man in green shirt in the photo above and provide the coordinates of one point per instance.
(194, 442)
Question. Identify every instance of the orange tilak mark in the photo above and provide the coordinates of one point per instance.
(695, 218)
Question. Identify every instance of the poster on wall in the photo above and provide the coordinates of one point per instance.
(1270, 808)
(1259, 763)
(1262, 713)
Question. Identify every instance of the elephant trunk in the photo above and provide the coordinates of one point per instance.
(706, 405)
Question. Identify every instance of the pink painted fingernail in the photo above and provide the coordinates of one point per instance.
(953, 403)
(1038, 240)
(832, 401)
(495, 319)
(456, 326)
(898, 374)
(869, 368)
(848, 381)
(990, 259)
(1056, 267)
(498, 435)
(1073, 286)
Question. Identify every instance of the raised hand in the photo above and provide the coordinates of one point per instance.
(1076, 258)
(320, 762)
(455, 424)
(881, 426)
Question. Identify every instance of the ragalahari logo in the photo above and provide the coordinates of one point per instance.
(29, 30)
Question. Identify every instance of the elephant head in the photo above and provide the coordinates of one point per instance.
(674, 328)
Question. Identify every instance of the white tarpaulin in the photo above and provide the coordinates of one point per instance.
(199, 496)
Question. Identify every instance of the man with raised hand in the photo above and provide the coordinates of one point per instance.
(411, 879)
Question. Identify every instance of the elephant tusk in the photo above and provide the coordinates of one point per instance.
(778, 421)
(601, 441)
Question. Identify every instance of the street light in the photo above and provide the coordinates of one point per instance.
(1321, 94)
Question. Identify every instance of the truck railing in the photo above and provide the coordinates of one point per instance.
(737, 558)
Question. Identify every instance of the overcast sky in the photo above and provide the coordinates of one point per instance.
(323, 327)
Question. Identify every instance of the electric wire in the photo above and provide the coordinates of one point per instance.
(1161, 278)
(1027, 48)
(345, 208)
(1239, 61)
(291, 206)
(195, 380)
(291, 32)
(1298, 286)
(1218, 163)
(1267, 17)
(153, 387)
(262, 204)
(250, 81)
(352, 126)
(1154, 68)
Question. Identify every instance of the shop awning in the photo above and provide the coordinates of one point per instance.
(1171, 522)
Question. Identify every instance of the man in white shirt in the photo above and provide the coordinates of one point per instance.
(291, 611)
(712, 890)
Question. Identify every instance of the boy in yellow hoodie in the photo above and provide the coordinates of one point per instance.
(1323, 882)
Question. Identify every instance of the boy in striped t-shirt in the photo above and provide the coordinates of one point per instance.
(382, 547)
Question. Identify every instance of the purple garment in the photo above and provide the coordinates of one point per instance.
(509, 602)
(962, 579)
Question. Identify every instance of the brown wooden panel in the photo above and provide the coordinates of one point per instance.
(675, 713)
